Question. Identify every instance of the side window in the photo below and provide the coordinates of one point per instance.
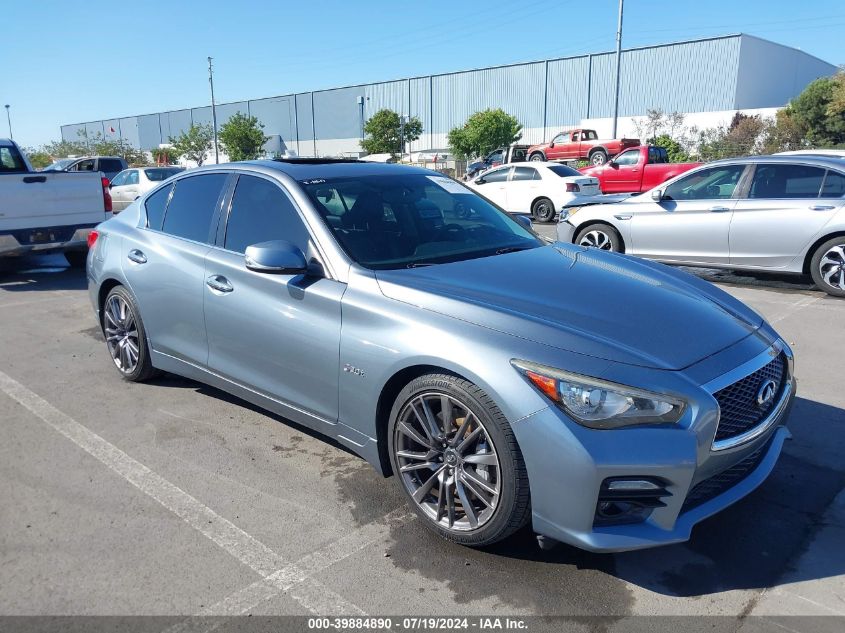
(575, 137)
(132, 177)
(630, 157)
(657, 155)
(192, 206)
(260, 212)
(834, 185)
(11, 161)
(110, 165)
(84, 165)
(561, 138)
(715, 183)
(524, 173)
(495, 157)
(786, 181)
(498, 175)
(155, 206)
(120, 179)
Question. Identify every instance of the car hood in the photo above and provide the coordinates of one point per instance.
(600, 304)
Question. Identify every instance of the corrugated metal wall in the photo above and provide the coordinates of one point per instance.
(697, 76)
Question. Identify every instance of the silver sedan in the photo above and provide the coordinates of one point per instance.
(769, 213)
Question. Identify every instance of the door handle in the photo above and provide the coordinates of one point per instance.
(821, 207)
(137, 256)
(719, 209)
(219, 283)
(31, 179)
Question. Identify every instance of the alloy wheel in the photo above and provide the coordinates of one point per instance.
(121, 334)
(447, 461)
(596, 239)
(832, 267)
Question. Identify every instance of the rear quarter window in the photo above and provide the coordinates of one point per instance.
(155, 207)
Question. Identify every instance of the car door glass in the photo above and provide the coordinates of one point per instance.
(132, 177)
(834, 185)
(627, 158)
(560, 138)
(524, 173)
(192, 206)
(714, 183)
(260, 212)
(155, 207)
(110, 165)
(119, 180)
(499, 175)
(786, 181)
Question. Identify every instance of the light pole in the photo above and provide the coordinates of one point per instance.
(213, 111)
(618, 66)
(9, 121)
(402, 121)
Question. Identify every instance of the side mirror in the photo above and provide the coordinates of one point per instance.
(523, 220)
(613, 164)
(479, 181)
(552, 144)
(275, 257)
(657, 195)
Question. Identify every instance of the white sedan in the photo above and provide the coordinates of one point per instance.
(131, 183)
(541, 189)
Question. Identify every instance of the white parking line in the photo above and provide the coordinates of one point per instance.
(221, 531)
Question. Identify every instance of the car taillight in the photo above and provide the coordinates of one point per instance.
(92, 238)
(572, 187)
(106, 195)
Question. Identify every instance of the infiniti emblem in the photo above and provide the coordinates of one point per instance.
(766, 393)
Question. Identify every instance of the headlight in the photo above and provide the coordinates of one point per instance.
(599, 404)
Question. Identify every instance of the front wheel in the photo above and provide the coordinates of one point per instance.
(537, 157)
(543, 210)
(600, 236)
(457, 461)
(599, 157)
(828, 267)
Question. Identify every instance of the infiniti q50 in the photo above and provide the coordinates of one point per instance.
(396, 311)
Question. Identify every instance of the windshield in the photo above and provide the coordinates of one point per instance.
(59, 165)
(403, 221)
(563, 171)
(157, 174)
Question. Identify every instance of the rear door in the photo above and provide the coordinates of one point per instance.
(278, 335)
(523, 189)
(692, 222)
(786, 207)
(165, 264)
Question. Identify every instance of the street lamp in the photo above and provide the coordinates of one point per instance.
(9, 121)
(213, 110)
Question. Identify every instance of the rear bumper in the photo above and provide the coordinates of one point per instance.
(44, 240)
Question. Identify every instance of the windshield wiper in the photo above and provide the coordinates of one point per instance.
(512, 249)
(420, 264)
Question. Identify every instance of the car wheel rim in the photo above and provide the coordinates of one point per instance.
(596, 239)
(832, 267)
(598, 159)
(536, 158)
(121, 334)
(447, 462)
(543, 211)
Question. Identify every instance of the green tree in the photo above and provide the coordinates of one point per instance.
(98, 145)
(63, 149)
(242, 137)
(385, 133)
(676, 152)
(38, 158)
(194, 143)
(784, 133)
(820, 111)
(483, 132)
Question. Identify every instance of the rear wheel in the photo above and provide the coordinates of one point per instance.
(598, 157)
(828, 266)
(76, 259)
(126, 338)
(457, 462)
(543, 210)
(600, 236)
(537, 157)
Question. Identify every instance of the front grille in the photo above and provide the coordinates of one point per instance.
(717, 484)
(738, 406)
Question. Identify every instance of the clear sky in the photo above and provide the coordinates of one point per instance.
(70, 62)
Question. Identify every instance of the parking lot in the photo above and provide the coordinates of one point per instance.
(173, 498)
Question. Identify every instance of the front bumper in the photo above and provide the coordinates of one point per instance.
(565, 232)
(567, 466)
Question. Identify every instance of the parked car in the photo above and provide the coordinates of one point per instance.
(769, 213)
(541, 189)
(47, 212)
(636, 170)
(501, 378)
(501, 156)
(581, 144)
(131, 183)
(109, 165)
(830, 153)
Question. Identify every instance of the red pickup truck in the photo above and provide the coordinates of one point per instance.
(580, 145)
(636, 170)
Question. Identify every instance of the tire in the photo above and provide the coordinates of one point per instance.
(601, 236)
(536, 157)
(598, 157)
(543, 210)
(478, 467)
(119, 314)
(828, 266)
(76, 259)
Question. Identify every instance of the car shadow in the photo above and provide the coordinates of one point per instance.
(40, 273)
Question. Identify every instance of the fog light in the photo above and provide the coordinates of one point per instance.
(629, 500)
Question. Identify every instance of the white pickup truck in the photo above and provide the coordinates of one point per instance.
(48, 211)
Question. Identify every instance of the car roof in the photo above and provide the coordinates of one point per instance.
(305, 168)
(777, 159)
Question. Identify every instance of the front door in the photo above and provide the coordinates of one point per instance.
(623, 174)
(559, 146)
(692, 221)
(278, 335)
(494, 186)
